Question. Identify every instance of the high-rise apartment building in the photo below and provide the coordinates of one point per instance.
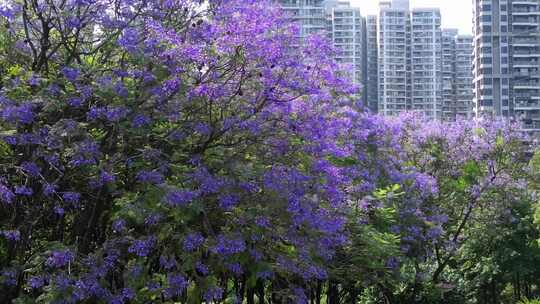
(507, 60)
(463, 79)
(410, 59)
(342, 24)
(394, 58)
(448, 71)
(426, 49)
(309, 14)
(347, 31)
(456, 75)
(372, 63)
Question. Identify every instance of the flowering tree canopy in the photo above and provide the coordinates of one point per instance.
(165, 151)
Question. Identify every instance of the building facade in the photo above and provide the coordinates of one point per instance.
(456, 75)
(372, 63)
(463, 79)
(426, 53)
(393, 36)
(343, 25)
(347, 31)
(410, 59)
(507, 60)
(309, 14)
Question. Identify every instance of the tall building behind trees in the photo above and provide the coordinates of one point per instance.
(507, 60)
(399, 58)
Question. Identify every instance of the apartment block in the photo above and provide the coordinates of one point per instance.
(463, 79)
(394, 37)
(347, 31)
(456, 75)
(372, 63)
(410, 59)
(309, 14)
(507, 60)
(426, 50)
(343, 25)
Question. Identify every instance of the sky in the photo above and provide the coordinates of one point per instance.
(455, 13)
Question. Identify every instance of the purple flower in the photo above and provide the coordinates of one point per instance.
(227, 202)
(266, 274)
(140, 120)
(167, 262)
(73, 23)
(23, 190)
(106, 177)
(18, 114)
(129, 40)
(180, 197)
(9, 277)
(59, 210)
(10, 140)
(6, 195)
(177, 284)
(193, 241)
(95, 113)
(75, 101)
(115, 114)
(262, 221)
(120, 89)
(151, 177)
(142, 247)
(71, 74)
(49, 189)
(213, 293)
(392, 263)
(228, 246)
(152, 219)
(71, 197)
(31, 168)
(7, 12)
(300, 296)
(235, 268)
(203, 129)
(60, 258)
(12, 235)
(434, 232)
(119, 225)
(202, 269)
(128, 294)
(36, 282)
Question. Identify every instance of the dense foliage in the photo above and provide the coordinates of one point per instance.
(165, 151)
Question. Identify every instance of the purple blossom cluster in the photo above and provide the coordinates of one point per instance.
(203, 146)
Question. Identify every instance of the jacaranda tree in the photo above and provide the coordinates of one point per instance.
(164, 151)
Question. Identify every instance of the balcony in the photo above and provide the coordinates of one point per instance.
(527, 85)
(519, 41)
(526, 104)
(527, 53)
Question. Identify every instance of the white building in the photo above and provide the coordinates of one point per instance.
(342, 24)
(394, 58)
(426, 50)
(310, 14)
(463, 78)
(410, 59)
(347, 29)
(372, 63)
(507, 60)
(457, 75)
